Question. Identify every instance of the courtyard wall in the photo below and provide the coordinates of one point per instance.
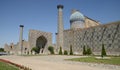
(94, 37)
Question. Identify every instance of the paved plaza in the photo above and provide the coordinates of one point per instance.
(56, 62)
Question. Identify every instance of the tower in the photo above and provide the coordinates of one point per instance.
(60, 26)
(21, 39)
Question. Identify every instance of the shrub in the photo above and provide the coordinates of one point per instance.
(27, 52)
(36, 50)
(89, 52)
(60, 51)
(1, 49)
(71, 52)
(84, 50)
(103, 52)
(51, 49)
(65, 52)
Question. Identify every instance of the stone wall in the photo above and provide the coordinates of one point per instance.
(34, 34)
(68, 39)
(15, 49)
(6, 48)
(90, 22)
(94, 37)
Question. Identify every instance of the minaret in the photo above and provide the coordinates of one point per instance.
(21, 39)
(60, 26)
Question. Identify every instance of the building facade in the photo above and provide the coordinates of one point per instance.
(83, 31)
(40, 39)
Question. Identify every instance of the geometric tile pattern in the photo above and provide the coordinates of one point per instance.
(94, 37)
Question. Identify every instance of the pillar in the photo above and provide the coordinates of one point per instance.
(21, 39)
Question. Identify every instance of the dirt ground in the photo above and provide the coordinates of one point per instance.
(56, 62)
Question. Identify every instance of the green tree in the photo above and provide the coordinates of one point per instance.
(65, 52)
(89, 52)
(60, 51)
(103, 52)
(1, 49)
(51, 49)
(71, 52)
(36, 50)
(84, 50)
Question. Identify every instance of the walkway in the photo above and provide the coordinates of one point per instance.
(56, 62)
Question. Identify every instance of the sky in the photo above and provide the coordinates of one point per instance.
(42, 15)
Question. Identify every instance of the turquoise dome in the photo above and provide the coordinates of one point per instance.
(77, 16)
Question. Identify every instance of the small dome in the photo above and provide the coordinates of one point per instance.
(76, 16)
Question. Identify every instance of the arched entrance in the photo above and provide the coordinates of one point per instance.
(40, 43)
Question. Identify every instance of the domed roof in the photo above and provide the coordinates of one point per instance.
(76, 16)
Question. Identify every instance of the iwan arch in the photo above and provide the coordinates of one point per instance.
(40, 39)
(83, 31)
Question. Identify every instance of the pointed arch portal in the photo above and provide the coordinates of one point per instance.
(41, 43)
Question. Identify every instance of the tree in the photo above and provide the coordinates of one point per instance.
(65, 52)
(1, 49)
(71, 52)
(51, 49)
(84, 50)
(89, 52)
(36, 50)
(60, 51)
(103, 52)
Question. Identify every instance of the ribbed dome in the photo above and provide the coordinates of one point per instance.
(76, 16)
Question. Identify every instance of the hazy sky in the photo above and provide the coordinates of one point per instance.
(42, 15)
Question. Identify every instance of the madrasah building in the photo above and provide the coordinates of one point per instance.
(83, 31)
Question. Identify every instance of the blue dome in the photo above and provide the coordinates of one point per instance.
(77, 16)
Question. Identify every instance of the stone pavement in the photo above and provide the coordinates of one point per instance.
(56, 62)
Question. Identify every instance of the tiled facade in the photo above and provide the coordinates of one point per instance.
(91, 34)
(94, 37)
(34, 35)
